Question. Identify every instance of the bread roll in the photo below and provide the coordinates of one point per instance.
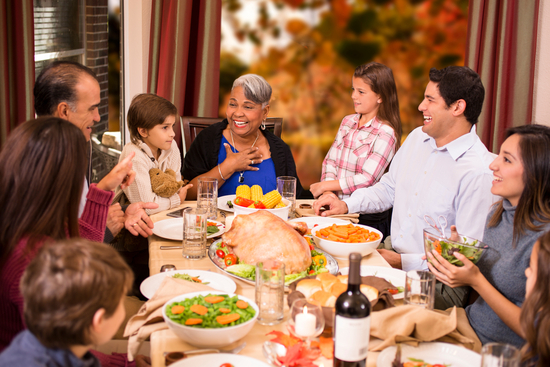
(309, 286)
(343, 279)
(370, 292)
(338, 288)
(327, 280)
(323, 298)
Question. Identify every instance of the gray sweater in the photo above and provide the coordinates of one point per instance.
(504, 267)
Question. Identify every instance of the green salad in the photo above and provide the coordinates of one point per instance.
(210, 311)
(447, 249)
(189, 278)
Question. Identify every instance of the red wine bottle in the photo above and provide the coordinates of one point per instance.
(352, 321)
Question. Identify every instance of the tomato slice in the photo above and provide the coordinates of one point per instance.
(226, 365)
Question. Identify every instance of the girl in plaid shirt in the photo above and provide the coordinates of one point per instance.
(367, 140)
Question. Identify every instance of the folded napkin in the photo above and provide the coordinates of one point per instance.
(353, 217)
(413, 324)
(149, 317)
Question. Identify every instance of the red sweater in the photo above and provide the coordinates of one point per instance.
(91, 226)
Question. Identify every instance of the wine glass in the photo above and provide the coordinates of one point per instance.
(306, 320)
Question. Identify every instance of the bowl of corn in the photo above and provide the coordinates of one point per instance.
(252, 199)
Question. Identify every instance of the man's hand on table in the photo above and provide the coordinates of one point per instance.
(336, 206)
(393, 258)
(137, 221)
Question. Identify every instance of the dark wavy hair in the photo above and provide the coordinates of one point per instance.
(56, 83)
(66, 284)
(42, 169)
(460, 82)
(535, 311)
(380, 79)
(534, 202)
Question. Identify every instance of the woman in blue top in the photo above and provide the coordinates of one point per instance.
(238, 150)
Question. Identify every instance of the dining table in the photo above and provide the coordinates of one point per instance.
(166, 341)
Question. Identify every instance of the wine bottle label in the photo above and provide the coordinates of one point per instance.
(351, 338)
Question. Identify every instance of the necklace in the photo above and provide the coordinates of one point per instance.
(241, 178)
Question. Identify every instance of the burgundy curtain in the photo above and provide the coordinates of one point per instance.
(184, 55)
(16, 64)
(501, 46)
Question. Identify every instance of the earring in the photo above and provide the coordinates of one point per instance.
(263, 125)
(379, 101)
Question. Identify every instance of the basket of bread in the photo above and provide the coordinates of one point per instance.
(323, 289)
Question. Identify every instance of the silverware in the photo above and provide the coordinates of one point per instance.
(171, 357)
(171, 247)
(272, 350)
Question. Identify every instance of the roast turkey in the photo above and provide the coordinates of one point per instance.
(261, 235)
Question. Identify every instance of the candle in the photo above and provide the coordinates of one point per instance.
(305, 323)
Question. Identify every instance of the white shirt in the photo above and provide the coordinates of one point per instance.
(453, 181)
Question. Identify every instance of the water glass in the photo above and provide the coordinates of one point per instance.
(500, 355)
(270, 291)
(286, 185)
(420, 289)
(207, 196)
(194, 233)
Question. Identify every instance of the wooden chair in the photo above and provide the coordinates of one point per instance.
(192, 126)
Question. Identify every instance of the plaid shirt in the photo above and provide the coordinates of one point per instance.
(359, 156)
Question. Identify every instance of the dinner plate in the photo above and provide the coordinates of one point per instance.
(172, 229)
(217, 281)
(216, 360)
(440, 353)
(312, 221)
(222, 202)
(332, 264)
(394, 276)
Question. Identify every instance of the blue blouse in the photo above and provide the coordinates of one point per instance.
(265, 177)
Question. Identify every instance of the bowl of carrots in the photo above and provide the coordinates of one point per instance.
(341, 240)
(210, 319)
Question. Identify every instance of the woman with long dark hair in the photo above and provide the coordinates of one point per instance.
(42, 174)
(522, 178)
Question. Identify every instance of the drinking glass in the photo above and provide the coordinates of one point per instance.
(306, 320)
(420, 289)
(207, 196)
(270, 290)
(499, 355)
(194, 233)
(286, 185)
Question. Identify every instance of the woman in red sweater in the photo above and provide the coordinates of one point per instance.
(42, 170)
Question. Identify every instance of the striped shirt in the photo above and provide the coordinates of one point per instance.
(359, 155)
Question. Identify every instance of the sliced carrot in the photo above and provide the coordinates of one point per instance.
(241, 304)
(193, 321)
(227, 319)
(199, 309)
(214, 299)
(225, 310)
(197, 280)
(176, 310)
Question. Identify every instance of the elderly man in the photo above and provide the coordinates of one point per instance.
(71, 91)
(441, 169)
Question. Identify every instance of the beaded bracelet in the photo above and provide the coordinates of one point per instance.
(220, 171)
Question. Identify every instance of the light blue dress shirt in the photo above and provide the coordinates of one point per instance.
(453, 180)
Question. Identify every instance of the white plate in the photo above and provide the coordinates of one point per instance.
(217, 281)
(222, 202)
(394, 276)
(312, 221)
(442, 353)
(216, 360)
(172, 229)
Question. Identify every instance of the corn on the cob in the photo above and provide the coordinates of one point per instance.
(280, 205)
(243, 191)
(271, 199)
(252, 206)
(256, 193)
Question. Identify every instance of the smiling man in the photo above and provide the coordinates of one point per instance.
(71, 91)
(441, 169)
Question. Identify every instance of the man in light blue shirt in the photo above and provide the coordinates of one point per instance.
(441, 169)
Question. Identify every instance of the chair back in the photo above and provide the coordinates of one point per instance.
(192, 126)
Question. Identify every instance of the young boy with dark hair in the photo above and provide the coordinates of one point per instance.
(73, 295)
